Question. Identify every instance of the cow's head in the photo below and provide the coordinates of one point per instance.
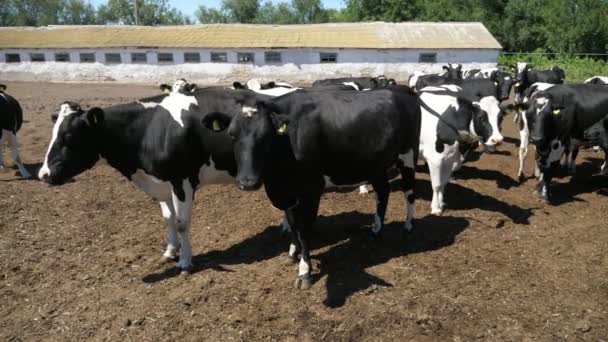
(383, 81)
(561, 74)
(480, 125)
(2, 87)
(453, 72)
(494, 112)
(521, 78)
(179, 86)
(546, 117)
(504, 83)
(252, 131)
(74, 143)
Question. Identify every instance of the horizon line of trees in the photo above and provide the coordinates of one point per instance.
(562, 26)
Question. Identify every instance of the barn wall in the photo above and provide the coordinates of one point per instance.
(298, 65)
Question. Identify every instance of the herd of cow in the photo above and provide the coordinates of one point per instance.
(297, 142)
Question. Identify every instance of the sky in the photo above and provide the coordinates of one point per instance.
(188, 7)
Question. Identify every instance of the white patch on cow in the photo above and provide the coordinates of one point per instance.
(601, 78)
(411, 211)
(254, 84)
(521, 67)
(524, 141)
(492, 107)
(603, 168)
(414, 79)
(249, 111)
(351, 84)
(451, 87)
(541, 103)
(304, 269)
(154, 187)
(292, 250)
(275, 92)
(175, 103)
(64, 111)
(183, 213)
(172, 240)
(283, 84)
(178, 85)
(364, 189)
(147, 105)
(209, 174)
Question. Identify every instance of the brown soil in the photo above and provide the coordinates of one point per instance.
(81, 261)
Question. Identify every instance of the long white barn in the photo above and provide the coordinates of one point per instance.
(226, 52)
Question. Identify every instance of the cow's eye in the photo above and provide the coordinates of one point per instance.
(555, 145)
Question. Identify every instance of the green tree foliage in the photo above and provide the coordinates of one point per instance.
(150, 12)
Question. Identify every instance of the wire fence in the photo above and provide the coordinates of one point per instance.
(603, 56)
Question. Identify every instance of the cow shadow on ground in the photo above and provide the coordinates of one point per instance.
(585, 181)
(345, 263)
(458, 197)
(502, 181)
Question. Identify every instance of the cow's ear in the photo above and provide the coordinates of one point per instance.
(459, 67)
(216, 122)
(504, 107)
(237, 85)
(95, 116)
(280, 123)
(192, 87)
(446, 68)
(165, 88)
(54, 117)
(2, 87)
(271, 84)
(391, 81)
(374, 82)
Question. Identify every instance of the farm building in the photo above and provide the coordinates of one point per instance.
(226, 52)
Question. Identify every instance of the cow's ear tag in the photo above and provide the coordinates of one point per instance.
(517, 84)
(167, 90)
(216, 126)
(556, 112)
(283, 128)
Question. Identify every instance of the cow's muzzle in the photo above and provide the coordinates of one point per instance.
(247, 184)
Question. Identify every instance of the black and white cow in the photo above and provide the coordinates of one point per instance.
(558, 115)
(290, 143)
(491, 73)
(526, 77)
(603, 80)
(159, 144)
(451, 124)
(254, 84)
(11, 120)
(181, 85)
(364, 82)
(419, 80)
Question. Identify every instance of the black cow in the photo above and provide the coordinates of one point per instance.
(290, 143)
(557, 116)
(159, 144)
(11, 120)
(364, 82)
(526, 77)
(419, 80)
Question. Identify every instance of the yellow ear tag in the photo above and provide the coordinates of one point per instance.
(517, 84)
(216, 125)
(556, 112)
(167, 91)
(283, 128)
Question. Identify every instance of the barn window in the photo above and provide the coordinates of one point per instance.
(87, 58)
(219, 57)
(427, 58)
(62, 57)
(139, 57)
(328, 57)
(272, 57)
(192, 57)
(37, 57)
(245, 57)
(165, 57)
(113, 58)
(13, 58)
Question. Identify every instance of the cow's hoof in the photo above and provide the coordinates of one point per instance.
(437, 212)
(186, 271)
(303, 282)
(521, 177)
(408, 227)
(291, 259)
(167, 259)
(375, 235)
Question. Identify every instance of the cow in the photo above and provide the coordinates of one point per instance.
(161, 147)
(480, 73)
(603, 80)
(451, 125)
(288, 144)
(418, 80)
(526, 77)
(181, 85)
(11, 120)
(254, 84)
(364, 82)
(559, 115)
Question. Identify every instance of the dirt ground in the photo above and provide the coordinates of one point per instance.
(81, 262)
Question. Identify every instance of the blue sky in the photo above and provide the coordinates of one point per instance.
(189, 6)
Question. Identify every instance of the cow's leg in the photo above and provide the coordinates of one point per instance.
(172, 240)
(285, 228)
(407, 168)
(604, 168)
(523, 152)
(446, 174)
(15, 155)
(382, 189)
(435, 169)
(182, 197)
(572, 160)
(364, 189)
(2, 137)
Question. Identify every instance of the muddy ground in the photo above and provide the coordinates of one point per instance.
(81, 261)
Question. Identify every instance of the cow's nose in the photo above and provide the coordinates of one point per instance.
(248, 184)
(536, 139)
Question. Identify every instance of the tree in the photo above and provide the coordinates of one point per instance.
(308, 11)
(241, 11)
(208, 15)
(77, 12)
(268, 13)
(150, 12)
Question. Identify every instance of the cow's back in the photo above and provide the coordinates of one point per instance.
(11, 114)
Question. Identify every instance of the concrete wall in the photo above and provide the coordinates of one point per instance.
(298, 65)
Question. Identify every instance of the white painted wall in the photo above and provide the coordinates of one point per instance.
(298, 65)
